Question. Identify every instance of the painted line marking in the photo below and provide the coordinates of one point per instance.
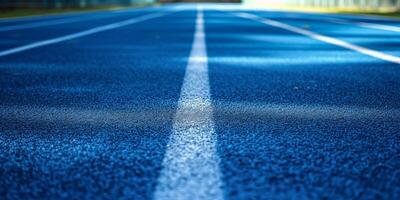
(51, 16)
(191, 163)
(56, 22)
(366, 25)
(40, 24)
(378, 26)
(81, 34)
(330, 40)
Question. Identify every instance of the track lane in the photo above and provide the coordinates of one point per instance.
(15, 38)
(372, 38)
(294, 117)
(275, 94)
(92, 119)
(44, 18)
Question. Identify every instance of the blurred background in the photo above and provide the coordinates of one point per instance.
(12, 4)
(43, 6)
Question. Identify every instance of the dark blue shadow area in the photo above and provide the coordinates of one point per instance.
(92, 119)
(15, 38)
(379, 40)
(266, 158)
(280, 101)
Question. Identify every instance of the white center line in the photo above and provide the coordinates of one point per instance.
(80, 34)
(191, 163)
(363, 50)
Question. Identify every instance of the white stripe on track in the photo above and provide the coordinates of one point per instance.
(40, 24)
(50, 16)
(378, 26)
(366, 25)
(80, 34)
(53, 22)
(363, 50)
(191, 163)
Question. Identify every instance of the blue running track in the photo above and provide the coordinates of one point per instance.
(292, 116)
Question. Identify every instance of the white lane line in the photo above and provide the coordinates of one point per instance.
(378, 26)
(50, 16)
(363, 50)
(366, 25)
(53, 22)
(191, 163)
(81, 34)
(39, 24)
(62, 21)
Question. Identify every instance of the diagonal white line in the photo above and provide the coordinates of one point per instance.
(366, 25)
(191, 164)
(81, 34)
(334, 41)
(378, 26)
(40, 24)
